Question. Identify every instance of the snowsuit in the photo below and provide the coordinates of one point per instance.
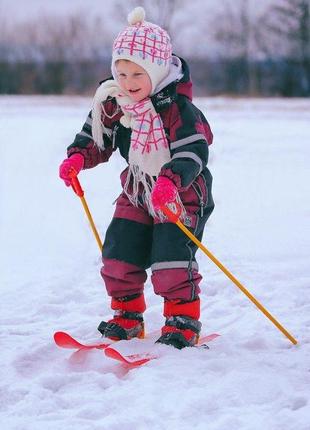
(136, 241)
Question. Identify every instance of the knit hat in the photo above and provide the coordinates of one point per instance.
(145, 44)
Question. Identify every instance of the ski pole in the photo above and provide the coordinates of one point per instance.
(174, 217)
(76, 186)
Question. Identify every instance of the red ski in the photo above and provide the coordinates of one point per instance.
(135, 360)
(65, 340)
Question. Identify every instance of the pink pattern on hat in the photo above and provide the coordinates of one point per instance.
(145, 40)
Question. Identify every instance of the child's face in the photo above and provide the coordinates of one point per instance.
(133, 80)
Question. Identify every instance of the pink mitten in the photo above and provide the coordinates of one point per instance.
(163, 192)
(74, 163)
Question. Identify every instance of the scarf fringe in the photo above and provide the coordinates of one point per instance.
(134, 179)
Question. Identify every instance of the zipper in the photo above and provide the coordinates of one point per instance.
(200, 196)
(205, 184)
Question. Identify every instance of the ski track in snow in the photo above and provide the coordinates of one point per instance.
(252, 377)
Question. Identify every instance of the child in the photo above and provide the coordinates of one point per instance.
(146, 112)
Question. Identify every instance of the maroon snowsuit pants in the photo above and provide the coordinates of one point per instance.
(135, 241)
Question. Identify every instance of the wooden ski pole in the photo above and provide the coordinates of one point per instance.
(76, 186)
(174, 217)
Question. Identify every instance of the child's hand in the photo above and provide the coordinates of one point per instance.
(74, 163)
(163, 192)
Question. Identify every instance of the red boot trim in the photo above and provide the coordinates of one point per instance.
(176, 307)
(188, 334)
(130, 328)
(134, 305)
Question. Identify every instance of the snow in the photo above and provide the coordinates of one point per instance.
(252, 377)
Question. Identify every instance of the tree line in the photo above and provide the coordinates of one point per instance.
(241, 52)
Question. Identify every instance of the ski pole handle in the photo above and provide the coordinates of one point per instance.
(172, 216)
(75, 183)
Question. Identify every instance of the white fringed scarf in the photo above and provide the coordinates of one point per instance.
(149, 149)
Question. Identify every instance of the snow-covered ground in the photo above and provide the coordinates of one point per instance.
(252, 377)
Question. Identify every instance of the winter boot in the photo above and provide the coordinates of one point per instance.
(128, 318)
(182, 327)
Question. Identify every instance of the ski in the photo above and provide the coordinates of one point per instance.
(65, 340)
(143, 356)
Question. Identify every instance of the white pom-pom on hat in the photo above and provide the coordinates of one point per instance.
(136, 16)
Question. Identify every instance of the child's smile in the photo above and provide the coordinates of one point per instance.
(133, 80)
